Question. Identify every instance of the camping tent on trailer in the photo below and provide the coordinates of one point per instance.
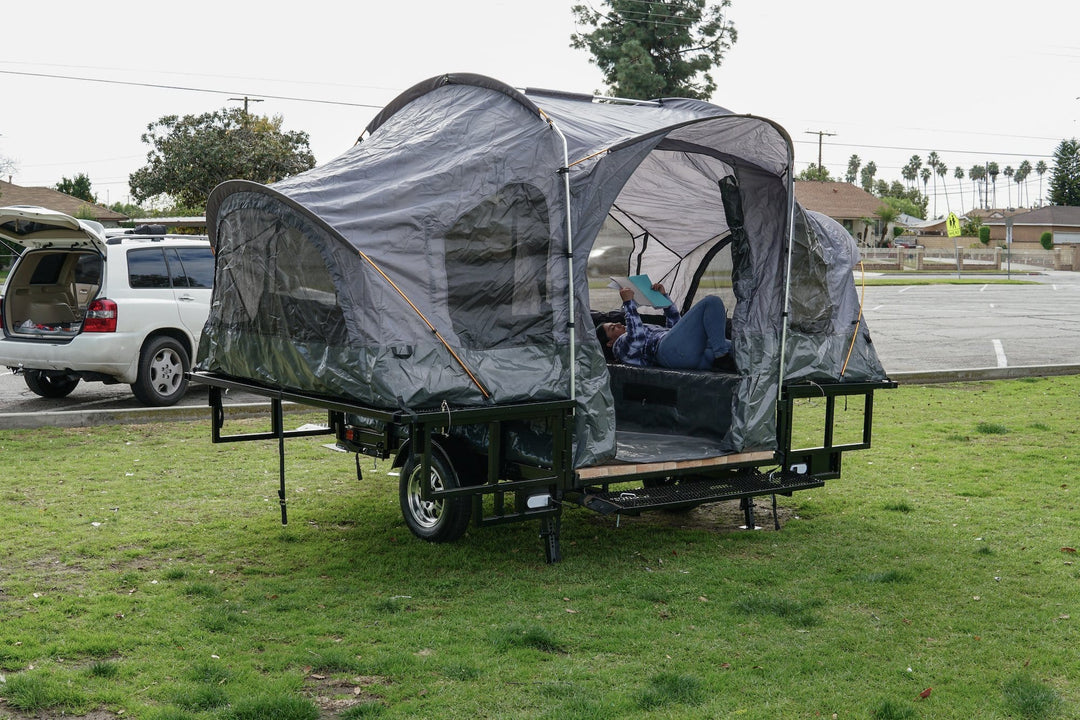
(442, 259)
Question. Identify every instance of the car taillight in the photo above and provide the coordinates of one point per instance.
(100, 316)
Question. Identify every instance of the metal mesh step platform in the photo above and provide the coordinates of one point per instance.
(747, 483)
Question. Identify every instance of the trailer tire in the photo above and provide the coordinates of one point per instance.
(439, 521)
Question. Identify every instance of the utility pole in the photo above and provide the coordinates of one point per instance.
(820, 134)
(246, 100)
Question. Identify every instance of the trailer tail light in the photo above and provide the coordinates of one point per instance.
(100, 316)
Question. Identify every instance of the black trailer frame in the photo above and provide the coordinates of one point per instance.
(523, 490)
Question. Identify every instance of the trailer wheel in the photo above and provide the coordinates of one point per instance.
(433, 520)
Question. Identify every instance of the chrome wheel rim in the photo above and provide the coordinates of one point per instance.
(426, 513)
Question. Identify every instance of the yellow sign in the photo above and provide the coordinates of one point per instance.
(952, 225)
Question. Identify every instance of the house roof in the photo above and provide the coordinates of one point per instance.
(1060, 216)
(838, 200)
(11, 194)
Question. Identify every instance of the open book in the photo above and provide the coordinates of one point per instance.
(643, 292)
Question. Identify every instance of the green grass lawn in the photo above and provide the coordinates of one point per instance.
(145, 574)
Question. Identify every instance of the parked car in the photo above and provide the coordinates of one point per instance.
(605, 260)
(83, 303)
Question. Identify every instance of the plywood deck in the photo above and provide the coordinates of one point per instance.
(606, 472)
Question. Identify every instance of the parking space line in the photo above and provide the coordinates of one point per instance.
(1002, 361)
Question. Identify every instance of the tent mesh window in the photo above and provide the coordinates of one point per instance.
(496, 269)
(811, 305)
(281, 283)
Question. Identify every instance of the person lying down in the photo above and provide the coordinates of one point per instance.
(696, 341)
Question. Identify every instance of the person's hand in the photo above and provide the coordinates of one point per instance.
(659, 287)
(626, 294)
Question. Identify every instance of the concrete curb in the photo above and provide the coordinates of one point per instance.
(932, 377)
(133, 416)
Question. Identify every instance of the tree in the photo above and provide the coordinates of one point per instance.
(992, 170)
(932, 162)
(130, 210)
(907, 206)
(977, 173)
(1040, 168)
(192, 154)
(1009, 172)
(958, 173)
(650, 49)
(815, 173)
(866, 176)
(853, 164)
(1065, 177)
(79, 187)
(942, 171)
(886, 214)
(6, 165)
(925, 174)
(1022, 174)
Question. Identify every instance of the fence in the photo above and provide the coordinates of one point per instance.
(970, 259)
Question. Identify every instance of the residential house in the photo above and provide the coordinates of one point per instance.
(849, 205)
(1061, 221)
(11, 194)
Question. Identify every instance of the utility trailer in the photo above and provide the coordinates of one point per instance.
(430, 289)
(461, 476)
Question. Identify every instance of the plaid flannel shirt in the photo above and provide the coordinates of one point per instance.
(637, 346)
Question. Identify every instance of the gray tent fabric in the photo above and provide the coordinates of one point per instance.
(829, 337)
(430, 264)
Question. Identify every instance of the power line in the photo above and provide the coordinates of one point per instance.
(183, 88)
(982, 153)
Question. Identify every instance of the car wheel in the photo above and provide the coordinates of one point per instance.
(50, 383)
(443, 520)
(161, 380)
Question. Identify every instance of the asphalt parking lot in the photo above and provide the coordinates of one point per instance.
(934, 328)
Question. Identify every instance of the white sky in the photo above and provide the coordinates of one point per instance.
(977, 82)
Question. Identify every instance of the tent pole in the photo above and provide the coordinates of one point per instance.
(565, 172)
(790, 182)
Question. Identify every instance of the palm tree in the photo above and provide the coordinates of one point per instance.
(932, 162)
(853, 164)
(866, 176)
(1040, 168)
(992, 170)
(886, 214)
(925, 174)
(1009, 172)
(977, 173)
(910, 174)
(958, 173)
(1022, 174)
(942, 170)
(915, 164)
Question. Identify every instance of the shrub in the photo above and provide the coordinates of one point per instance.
(984, 235)
(1047, 240)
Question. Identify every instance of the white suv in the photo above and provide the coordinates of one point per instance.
(83, 304)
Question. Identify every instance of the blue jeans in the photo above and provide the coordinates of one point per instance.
(697, 339)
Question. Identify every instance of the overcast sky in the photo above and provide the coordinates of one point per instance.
(976, 82)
